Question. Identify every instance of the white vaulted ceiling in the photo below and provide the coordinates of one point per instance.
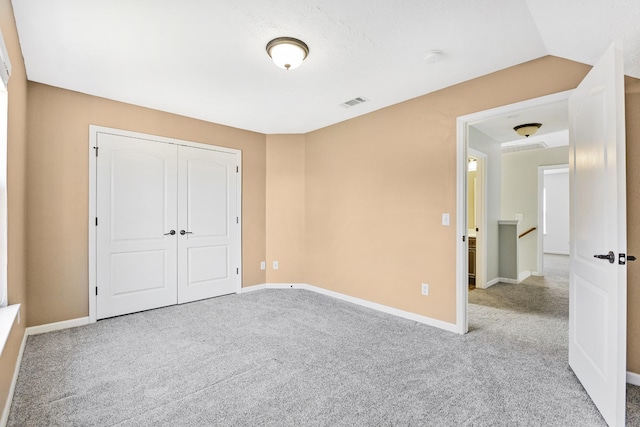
(206, 58)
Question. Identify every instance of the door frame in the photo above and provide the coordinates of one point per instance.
(462, 136)
(94, 130)
(541, 170)
(481, 217)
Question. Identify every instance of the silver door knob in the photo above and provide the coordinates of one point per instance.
(171, 233)
(182, 232)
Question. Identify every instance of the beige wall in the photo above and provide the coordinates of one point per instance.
(58, 190)
(377, 185)
(16, 181)
(632, 95)
(520, 195)
(285, 208)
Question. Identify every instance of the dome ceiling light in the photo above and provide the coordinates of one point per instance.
(527, 129)
(287, 52)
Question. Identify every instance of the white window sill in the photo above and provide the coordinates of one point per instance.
(8, 317)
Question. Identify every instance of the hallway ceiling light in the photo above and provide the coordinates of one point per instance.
(527, 129)
(287, 52)
(473, 165)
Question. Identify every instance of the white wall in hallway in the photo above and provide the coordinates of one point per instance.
(520, 195)
(556, 186)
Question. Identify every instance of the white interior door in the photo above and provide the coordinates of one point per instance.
(208, 224)
(136, 206)
(598, 288)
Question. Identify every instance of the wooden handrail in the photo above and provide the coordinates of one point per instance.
(527, 232)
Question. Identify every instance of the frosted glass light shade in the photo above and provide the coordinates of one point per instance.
(527, 129)
(287, 52)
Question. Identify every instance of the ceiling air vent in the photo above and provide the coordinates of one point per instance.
(353, 102)
(510, 148)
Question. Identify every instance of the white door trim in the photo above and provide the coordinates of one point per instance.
(541, 169)
(481, 218)
(93, 136)
(462, 135)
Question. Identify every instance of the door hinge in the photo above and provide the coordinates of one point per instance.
(96, 291)
(96, 148)
(96, 221)
(237, 220)
(464, 238)
(237, 169)
(237, 271)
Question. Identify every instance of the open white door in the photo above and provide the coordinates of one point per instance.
(598, 286)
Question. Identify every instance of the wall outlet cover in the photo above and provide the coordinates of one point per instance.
(425, 289)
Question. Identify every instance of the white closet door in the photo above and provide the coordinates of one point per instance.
(136, 206)
(207, 215)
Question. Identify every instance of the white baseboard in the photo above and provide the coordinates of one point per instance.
(490, 283)
(14, 380)
(451, 327)
(287, 286)
(252, 288)
(49, 327)
(505, 280)
(536, 273)
(523, 275)
(633, 378)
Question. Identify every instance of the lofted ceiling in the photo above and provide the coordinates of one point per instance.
(206, 59)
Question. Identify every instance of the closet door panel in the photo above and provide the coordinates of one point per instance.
(136, 205)
(207, 214)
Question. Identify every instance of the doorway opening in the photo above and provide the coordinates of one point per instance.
(470, 128)
(553, 213)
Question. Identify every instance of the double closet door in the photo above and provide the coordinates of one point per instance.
(166, 225)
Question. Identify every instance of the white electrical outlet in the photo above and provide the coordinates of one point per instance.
(445, 219)
(275, 265)
(519, 217)
(425, 289)
(263, 265)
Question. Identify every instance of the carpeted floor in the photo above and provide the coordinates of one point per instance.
(539, 301)
(296, 358)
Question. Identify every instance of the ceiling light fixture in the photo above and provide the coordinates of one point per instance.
(527, 129)
(287, 52)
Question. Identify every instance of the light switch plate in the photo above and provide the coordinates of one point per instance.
(445, 219)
